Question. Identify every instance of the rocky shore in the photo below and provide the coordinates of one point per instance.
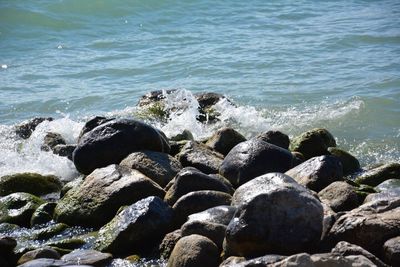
(145, 199)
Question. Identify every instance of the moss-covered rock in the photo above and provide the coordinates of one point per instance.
(43, 214)
(18, 208)
(32, 183)
(349, 162)
(380, 174)
(313, 143)
(50, 231)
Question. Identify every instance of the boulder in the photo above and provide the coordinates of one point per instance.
(64, 150)
(198, 201)
(168, 243)
(329, 219)
(378, 175)
(25, 129)
(185, 135)
(135, 228)
(214, 231)
(40, 253)
(369, 225)
(317, 173)
(159, 167)
(266, 260)
(72, 184)
(18, 208)
(7, 256)
(43, 214)
(349, 162)
(189, 180)
(111, 142)
(391, 251)
(276, 138)
(32, 183)
(88, 257)
(388, 184)
(206, 102)
(51, 140)
(193, 251)
(384, 195)
(49, 263)
(95, 201)
(176, 147)
(93, 123)
(219, 215)
(325, 259)
(224, 140)
(252, 158)
(340, 196)
(275, 215)
(313, 143)
(200, 156)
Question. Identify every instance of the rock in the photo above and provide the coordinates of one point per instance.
(198, 201)
(200, 156)
(154, 96)
(67, 244)
(225, 181)
(252, 158)
(388, 184)
(49, 231)
(340, 196)
(112, 141)
(189, 180)
(317, 173)
(275, 215)
(185, 135)
(193, 251)
(159, 167)
(43, 214)
(349, 162)
(344, 249)
(224, 140)
(214, 231)
(72, 184)
(25, 129)
(32, 183)
(176, 147)
(385, 195)
(87, 257)
(313, 143)
(51, 140)
(7, 256)
(276, 138)
(391, 251)
(93, 123)
(256, 262)
(329, 220)
(49, 263)
(18, 208)
(64, 150)
(378, 175)
(298, 158)
(326, 259)
(368, 226)
(206, 102)
(94, 202)
(39, 253)
(135, 228)
(168, 243)
(219, 215)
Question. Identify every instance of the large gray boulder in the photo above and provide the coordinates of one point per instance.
(136, 228)
(275, 215)
(318, 172)
(95, 201)
(368, 226)
(313, 143)
(111, 142)
(159, 167)
(253, 158)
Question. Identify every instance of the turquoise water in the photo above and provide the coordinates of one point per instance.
(289, 65)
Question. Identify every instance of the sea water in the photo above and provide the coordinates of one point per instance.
(287, 65)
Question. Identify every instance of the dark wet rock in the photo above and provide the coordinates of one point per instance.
(25, 129)
(252, 158)
(369, 225)
(40, 253)
(159, 167)
(298, 158)
(32, 183)
(340, 196)
(220, 215)
(7, 256)
(325, 259)
(391, 251)
(17, 208)
(349, 162)
(72, 184)
(8, 227)
(313, 143)
(112, 141)
(135, 228)
(363, 190)
(50, 231)
(176, 147)
(206, 101)
(168, 243)
(185, 135)
(380, 174)
(344, 249)
(94, 202)
(87, 257)
(200, 156)
(198, 201)
(93, 123)
(329, 219)
(276, 138)
(67, 244)
(225, 181)
(64, 150)
(214, 231)
(189, 180)
(51, 140)
(317, 173)
(224, 140)
(49, 263)
(384, 195)
(193, 251)
(292, 224)
(43, 214)
(256, 262)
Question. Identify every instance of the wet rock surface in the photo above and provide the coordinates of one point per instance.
(340, 196)
(313, 143)
(224, 140)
